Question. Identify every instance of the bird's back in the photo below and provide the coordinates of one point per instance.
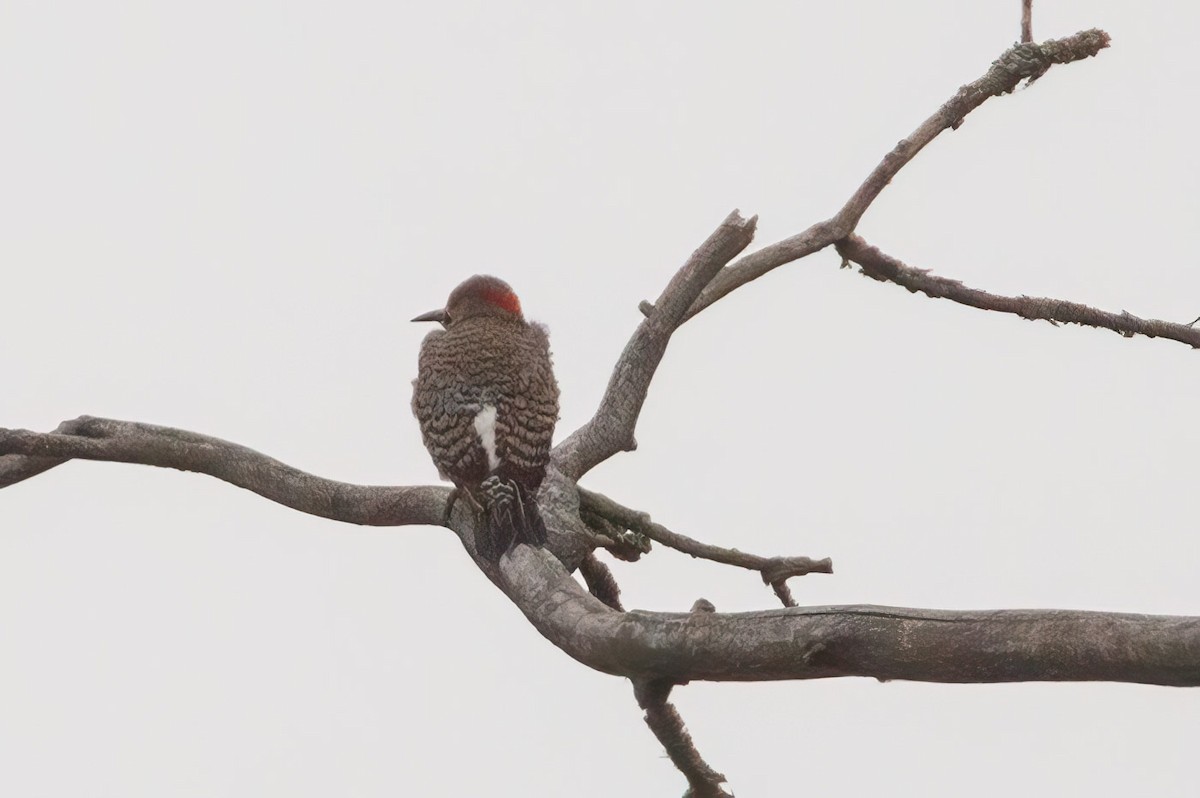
(486, 400)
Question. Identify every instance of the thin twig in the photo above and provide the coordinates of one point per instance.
(611, 429)
(880, 266)
(166, 447)
(1023, 62)
(1026, 20)
(664, 720)
(775, 571)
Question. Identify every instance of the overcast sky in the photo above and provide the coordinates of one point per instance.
(221, 215)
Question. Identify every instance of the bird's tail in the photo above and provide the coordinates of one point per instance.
(510, 516)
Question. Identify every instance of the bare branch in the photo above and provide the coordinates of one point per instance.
(1023, 62)
(1026, 21)
(16, 468)
(796, 643)
(821, 642)
(611, 429)
(775, 571)
(879, 266)
(667, 725)
(88, 438)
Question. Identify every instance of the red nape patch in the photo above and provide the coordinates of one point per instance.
(504, 299)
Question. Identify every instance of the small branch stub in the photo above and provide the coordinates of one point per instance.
(664, 720)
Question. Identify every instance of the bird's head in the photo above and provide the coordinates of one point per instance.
(481, 295)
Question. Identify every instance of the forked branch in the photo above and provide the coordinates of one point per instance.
(611, 429)
(775, 571)
(705, 278)
(794, 643)
(1023, 62)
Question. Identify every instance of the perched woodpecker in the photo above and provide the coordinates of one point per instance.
(486, 400)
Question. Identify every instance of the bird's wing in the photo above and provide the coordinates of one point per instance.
(447, 410)
(528, 410)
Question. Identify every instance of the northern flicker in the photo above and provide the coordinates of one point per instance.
(486, 400)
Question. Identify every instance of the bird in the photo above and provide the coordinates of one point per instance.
(486, 400)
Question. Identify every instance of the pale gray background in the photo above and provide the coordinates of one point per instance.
(221, 215)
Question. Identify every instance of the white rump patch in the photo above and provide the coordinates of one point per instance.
(485, 425)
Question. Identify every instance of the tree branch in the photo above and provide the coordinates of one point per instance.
(1026, 21)
(87, 438)
(884, 643)
(880, 266)
(796, 643)
(611, 429)
(775, 571)
(16, 468)
(1026, 61)
(663, 719)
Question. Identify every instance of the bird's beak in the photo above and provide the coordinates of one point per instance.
(433, 315)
